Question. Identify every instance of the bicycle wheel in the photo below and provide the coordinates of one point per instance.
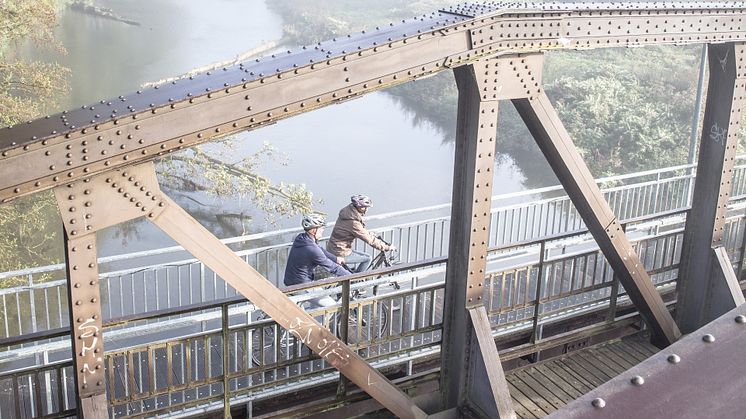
(366, 322)
(266, 348)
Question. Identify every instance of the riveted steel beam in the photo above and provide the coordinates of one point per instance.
(541, 119)
(697, 377)
(472, 373)
(704, 291)
(251, 284)
(86, 207)
(139, 127)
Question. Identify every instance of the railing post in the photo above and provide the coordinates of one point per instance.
(344, 325)
(614, 293)
(537, 331)
(539, 288)
(471, 372)
(225, 319)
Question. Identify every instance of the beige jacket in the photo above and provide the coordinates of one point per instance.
(348, 227)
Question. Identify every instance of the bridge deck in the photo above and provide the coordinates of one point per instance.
(540, 389)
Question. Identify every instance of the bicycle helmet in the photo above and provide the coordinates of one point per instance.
(361, 201)
(312, 221)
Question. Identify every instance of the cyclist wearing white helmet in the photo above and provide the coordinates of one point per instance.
(350, 226)
(306, 254)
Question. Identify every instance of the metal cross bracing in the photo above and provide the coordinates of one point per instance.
(95, 158)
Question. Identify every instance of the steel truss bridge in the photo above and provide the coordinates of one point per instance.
(98, 161)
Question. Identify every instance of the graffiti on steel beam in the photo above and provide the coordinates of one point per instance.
(724, 60)
(718, 134)
(329, 349)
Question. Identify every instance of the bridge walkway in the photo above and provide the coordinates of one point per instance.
(542, 388)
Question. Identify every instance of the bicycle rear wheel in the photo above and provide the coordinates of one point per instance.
(367, 322)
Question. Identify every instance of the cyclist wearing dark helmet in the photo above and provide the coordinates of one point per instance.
(306, 254)
(350, 226)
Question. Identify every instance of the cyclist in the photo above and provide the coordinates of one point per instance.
(350, 226)
(306, 254)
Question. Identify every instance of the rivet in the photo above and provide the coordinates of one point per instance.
(740, 319)
(708, 338)
(637, 380)
(598, 403)
(674, 359)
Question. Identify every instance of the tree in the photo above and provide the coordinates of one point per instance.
(30, 226)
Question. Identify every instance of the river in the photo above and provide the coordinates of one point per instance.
(370, 145)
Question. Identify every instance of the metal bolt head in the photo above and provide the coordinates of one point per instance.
(598, 403)
(674, 359)
(740, 319)
(708, 338)
(637, 380)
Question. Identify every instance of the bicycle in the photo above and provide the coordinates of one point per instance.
(366, 322)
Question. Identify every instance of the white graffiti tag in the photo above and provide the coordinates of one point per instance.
(88, 330)
(724, 60)
(718, 134)
(311, 335)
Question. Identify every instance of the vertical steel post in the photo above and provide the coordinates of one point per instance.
(344, 323)
(471, 373)
(85, 306)
(703, 289)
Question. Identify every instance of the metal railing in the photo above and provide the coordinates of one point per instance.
(530, 283)
(565, 274)
(38, 306)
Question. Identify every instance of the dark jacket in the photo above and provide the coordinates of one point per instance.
(305, 255)
(350, 226)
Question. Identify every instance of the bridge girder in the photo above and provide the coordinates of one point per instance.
(139, 127)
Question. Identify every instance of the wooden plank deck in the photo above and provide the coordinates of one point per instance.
(540, 389)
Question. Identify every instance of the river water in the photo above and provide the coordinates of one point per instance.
(370, 145)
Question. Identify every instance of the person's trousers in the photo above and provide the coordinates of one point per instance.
(362, 259)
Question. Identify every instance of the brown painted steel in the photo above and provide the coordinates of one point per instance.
(139, 127)
(87, 332)
(722, 271)
(697, 377)
(86, 207)
(466, 379)
(555, 143)
(496, 383)
(247, 281)
(703, 292)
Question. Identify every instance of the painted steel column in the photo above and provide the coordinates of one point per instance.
(84, 297)
(471, 372)
(552, 138)
(704, 291)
